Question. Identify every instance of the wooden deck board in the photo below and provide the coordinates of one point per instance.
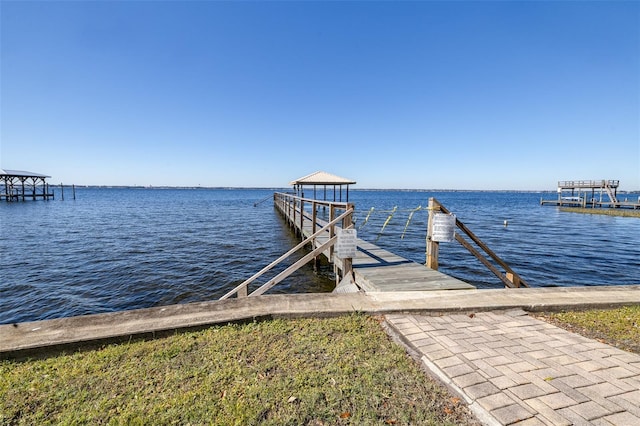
(379, 270)
(394, 273)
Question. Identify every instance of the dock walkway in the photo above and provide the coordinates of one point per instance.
(375, 269)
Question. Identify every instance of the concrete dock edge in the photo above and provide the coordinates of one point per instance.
(23, 339)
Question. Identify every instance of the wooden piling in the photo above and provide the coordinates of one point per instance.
(433, 247)
(347, 262)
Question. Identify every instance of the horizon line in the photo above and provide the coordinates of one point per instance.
(288, 188)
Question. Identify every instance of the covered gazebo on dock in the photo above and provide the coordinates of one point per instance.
(324, 180)
(16, 185)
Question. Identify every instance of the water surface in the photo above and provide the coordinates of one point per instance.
(125, 248)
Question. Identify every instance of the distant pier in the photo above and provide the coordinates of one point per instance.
(18, 185)
(590, 193)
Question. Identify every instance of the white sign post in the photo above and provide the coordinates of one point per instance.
(444, 226)
(347, 245)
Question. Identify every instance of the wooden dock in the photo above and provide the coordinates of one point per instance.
(17, 185)
(374, 268)
(363, 266)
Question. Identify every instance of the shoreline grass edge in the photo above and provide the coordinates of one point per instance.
(607, 212)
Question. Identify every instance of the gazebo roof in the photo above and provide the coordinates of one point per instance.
(322, 178)
(21, 173)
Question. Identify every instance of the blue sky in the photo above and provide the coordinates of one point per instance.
(429, 95)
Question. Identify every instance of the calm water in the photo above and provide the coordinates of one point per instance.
(115, 249)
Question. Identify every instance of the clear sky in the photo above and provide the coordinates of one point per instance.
(429, 95)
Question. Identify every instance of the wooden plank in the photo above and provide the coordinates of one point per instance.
(408, 276)
(377, 269)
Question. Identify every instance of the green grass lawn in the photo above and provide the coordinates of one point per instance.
(619, 327)
(333, 371)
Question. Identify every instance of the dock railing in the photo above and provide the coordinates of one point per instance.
(510, 278)
(299, 211)
(583, 199)
(602, 183)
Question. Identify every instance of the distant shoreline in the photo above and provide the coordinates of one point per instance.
(235, 188)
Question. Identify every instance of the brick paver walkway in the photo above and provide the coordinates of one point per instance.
(512, 368)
